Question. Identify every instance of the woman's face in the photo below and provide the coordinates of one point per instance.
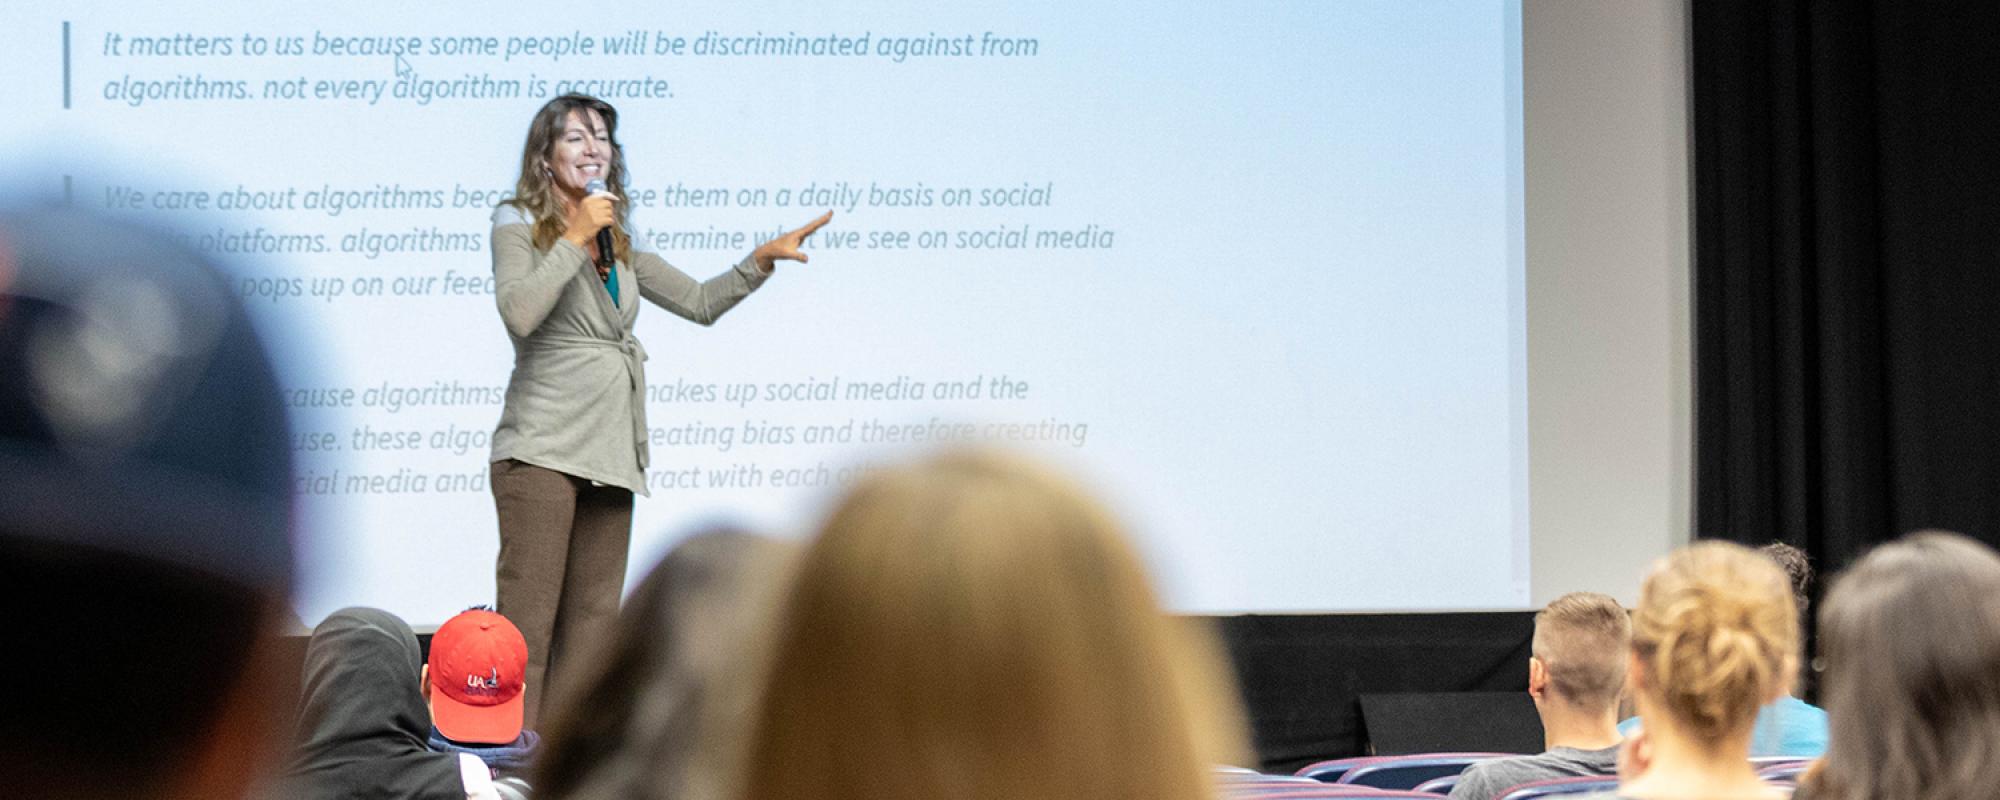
(581, 153)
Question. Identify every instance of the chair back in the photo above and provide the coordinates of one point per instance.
(1257, 781)
(1555, 787)
(1330, 771)
(1407, 772)
(1785, 772)
(1324, 791)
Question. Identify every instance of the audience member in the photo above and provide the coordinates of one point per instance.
(362, 723)
(663, 712)
(1787, 726)
(1714, 639)
(1576, 673)
(1911, 640)
(145, 519)
(974, 627)
(1790, 726)
(1798, 572)
(475, 685)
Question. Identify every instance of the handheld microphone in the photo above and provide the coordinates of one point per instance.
(603, 234)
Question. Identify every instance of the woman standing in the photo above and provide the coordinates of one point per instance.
(570, 449)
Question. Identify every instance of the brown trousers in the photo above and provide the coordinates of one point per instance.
(563, 546)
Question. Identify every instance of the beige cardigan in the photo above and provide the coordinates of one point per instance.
(576, 402)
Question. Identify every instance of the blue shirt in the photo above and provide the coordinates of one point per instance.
(1788, 727)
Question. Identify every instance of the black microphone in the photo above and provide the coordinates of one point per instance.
(603, 234)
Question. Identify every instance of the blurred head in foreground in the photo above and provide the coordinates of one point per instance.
(144, 517)
(662, 711)
(974, 626)
(1713, 640)
(1911, 639)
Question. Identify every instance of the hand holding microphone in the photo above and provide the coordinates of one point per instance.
(594, 216)
(594, 191)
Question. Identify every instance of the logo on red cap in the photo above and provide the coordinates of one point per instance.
(478, 673)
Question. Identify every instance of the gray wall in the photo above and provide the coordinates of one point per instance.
(1610, 419)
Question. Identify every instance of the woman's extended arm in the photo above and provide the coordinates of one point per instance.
(704, 302)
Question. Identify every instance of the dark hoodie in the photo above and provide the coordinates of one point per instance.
(510, 760)
(362, 721)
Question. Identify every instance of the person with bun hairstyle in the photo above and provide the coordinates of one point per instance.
(975, 627)
(1911, 640)
(1714, 639)
(1789, 726)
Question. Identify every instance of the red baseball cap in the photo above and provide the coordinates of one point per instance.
(478, 671)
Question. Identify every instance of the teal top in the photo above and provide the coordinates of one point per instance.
(611, 285)
(1787, 727)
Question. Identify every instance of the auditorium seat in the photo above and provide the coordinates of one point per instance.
(1324, 791)
(1785, 772)
(1330, 771)
(1258, 780)
(1556, 787)
(1394, 772)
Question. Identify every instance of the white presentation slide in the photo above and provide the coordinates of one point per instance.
(1251, 271)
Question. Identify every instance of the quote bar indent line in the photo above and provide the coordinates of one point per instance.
(65, 64)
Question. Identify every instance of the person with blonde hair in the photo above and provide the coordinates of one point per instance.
(1576, 674)
(975, 627)
(1911, 640)
(1788, 726)
(1714, 639)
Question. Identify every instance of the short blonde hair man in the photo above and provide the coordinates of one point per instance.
(1576, 672)
(1579, 650)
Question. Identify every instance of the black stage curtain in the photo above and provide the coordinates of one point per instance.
(1847, 271)
(1303, 676)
